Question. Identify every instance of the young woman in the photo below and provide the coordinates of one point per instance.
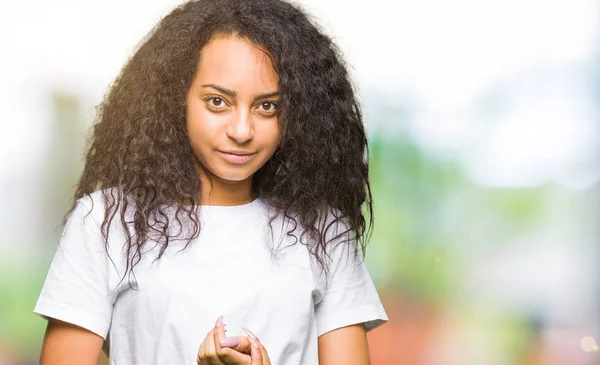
(226, 182)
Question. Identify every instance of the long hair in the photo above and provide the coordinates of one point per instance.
(142, 160)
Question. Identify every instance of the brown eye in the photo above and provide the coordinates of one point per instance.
(268, 106)
(217, 101)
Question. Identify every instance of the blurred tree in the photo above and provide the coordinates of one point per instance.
(20, 330)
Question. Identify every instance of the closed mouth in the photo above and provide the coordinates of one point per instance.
(238, 153)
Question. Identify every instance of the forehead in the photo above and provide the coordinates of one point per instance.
(237, 63)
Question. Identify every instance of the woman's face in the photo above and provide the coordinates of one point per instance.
(232, 110)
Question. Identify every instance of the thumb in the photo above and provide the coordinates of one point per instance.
(240, 343)
(256, 355)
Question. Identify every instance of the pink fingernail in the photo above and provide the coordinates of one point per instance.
(230, 342)
(249, 333)
(219, 321)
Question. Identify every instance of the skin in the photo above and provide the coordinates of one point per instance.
(67, 344)
(346, 345)
(231, 106)
(249, 351)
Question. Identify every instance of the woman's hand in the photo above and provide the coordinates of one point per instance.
(216, 349)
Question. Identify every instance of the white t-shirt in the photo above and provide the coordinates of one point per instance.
(162, 315)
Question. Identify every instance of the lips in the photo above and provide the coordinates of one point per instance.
(237, 157)
(240, 153)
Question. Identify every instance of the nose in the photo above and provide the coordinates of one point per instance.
(241, 128)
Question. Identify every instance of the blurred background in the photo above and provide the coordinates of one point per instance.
(484, 130)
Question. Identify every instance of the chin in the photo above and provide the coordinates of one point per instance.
(234, 176)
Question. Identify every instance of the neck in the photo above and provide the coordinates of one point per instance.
(217, 191)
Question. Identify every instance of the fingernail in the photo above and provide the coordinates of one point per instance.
(249, 333)
(255, 343)
(230, 342)
(219, 321)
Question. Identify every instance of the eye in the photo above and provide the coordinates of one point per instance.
(268, 107)
(216, 102)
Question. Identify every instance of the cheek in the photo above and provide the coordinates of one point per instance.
(201, 125)
(272, 135)
(276, 138)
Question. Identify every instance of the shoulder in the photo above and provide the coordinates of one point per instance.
(90, 210)
(338, 234)
(335, 221)
(339, 247)
(84, 236)
(89, 207)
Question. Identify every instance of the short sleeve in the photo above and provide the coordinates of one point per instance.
(349, 295)
(76, 289)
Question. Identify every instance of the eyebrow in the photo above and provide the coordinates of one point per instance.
(233, 93)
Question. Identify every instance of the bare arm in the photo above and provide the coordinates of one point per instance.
(68, 344)
(346, 345)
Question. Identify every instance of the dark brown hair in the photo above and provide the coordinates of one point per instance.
(141, 158)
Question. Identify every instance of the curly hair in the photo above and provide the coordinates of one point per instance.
(141, 158)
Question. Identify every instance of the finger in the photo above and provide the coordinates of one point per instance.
(203, 355)
(226, 354)
(258, 353)
(210, 356)
(230, 356)
(265, 356)
(200, 359)
(250, 333)
(218, 334)
(239, 343)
